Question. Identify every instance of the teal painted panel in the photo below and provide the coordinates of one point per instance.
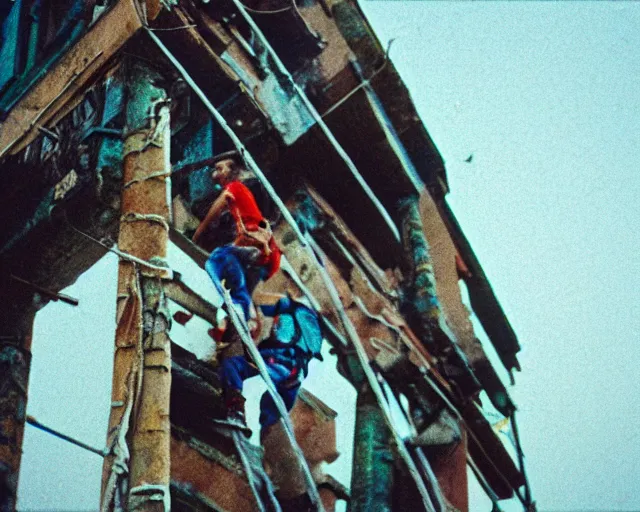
(8, 49)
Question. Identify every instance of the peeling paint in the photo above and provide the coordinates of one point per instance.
(286, 111)
(135, 480)
(115, 489)
(423, 282)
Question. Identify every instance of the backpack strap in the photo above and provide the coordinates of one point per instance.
(259, 238)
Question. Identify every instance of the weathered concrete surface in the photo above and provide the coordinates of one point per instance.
(443, 259)
(136, 472)
(198, 468)
(17, 312)
(450, 467)
(372, 474)
(72, 72)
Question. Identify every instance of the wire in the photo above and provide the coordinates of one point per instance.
(275, 11)
(362, 84)
(516, 435)
(184, 27)
(121, 254)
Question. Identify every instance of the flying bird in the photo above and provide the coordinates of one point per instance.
(469, 159)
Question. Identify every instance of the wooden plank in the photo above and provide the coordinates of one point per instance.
(74, 70)
(183, 295)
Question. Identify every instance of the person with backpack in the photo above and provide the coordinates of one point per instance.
(253, 256)
(294, 339)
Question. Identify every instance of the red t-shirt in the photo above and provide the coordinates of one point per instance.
(273, 260)
(243, 207)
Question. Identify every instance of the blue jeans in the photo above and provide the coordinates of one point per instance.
(225, 263)
(235, 370)
(236, 266)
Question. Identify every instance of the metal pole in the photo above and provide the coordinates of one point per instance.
(389, 130)
(431, 477)
(516, 435)
(484, 484)
(32, 421)
(242, 329)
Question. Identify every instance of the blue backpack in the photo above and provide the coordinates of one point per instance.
(300, 328)
(310, 337)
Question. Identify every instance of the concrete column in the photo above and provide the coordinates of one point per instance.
(421, 288)
(373, 458)
(136, 473)
(17, 313)
(373, 465)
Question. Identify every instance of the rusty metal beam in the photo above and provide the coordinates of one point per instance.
(136, 472)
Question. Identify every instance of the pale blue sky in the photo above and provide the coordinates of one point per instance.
(545, 95)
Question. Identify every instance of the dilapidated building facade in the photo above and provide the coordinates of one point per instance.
(111, 112)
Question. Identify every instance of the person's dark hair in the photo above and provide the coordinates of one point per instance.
(238, 165)
(238, 162)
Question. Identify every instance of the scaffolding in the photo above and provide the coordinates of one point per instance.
(122, 123)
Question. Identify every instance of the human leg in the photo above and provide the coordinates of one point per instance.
(269, 413)
(223, 264)
(233, 371)
(287, 384)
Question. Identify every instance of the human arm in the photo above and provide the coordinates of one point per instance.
(216, 209)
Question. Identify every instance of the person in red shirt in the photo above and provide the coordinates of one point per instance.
(254, 255)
